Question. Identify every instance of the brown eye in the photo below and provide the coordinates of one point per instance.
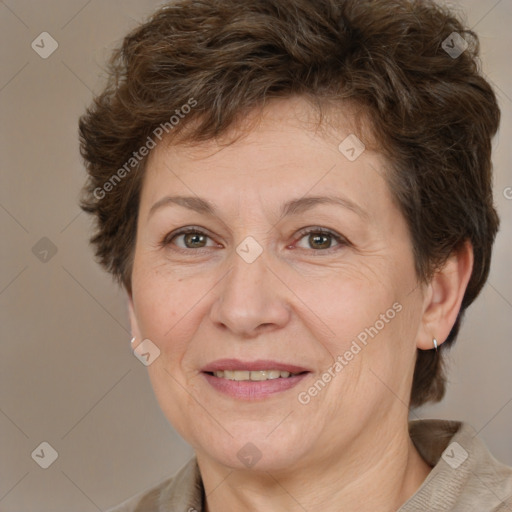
(194, 240)
(190, 239)
(321, 240)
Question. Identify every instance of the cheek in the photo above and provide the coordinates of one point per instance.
(160, 305)
(161, 297)
(335, 304)
(374, 318)
(171, 308)
(349, 300)
(166, 315)
(366, 328)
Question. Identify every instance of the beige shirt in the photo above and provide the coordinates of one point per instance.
(465, 477)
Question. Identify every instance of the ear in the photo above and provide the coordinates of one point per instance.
(133, 320)
(443, 297)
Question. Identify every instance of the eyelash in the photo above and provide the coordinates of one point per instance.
(342, 241)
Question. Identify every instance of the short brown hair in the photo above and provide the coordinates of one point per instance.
(432, 114)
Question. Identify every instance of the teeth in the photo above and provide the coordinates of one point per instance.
(253, 375)
(262, 375)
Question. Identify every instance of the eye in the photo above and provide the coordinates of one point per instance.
(321, 239)
(193, 238)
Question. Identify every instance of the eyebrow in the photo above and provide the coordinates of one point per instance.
(293, 207)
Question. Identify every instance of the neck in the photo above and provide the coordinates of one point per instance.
(382, 476)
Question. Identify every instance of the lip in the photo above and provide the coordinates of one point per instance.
(252, 390)
(258, 365)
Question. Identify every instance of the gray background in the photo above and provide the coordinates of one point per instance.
(68, 376)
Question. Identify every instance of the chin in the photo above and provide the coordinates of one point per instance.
(255, 448)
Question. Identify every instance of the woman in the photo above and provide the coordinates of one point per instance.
(297, 198)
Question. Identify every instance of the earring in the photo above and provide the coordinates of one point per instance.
(132, 340)
(435, 343)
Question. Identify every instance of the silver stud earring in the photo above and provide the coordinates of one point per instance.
(435, 343)
(132, 340)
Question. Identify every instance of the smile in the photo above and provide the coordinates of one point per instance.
(252, 380)
(245, 375)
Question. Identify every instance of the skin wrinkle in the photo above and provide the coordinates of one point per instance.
(291, 80)
(355, 430)
(441, 157)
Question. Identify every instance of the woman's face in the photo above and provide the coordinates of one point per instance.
(271, 279)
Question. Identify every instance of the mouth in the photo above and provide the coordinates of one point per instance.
(252, 380)
(246, 375)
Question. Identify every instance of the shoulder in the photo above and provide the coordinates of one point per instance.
(465, 475)
(182, 492)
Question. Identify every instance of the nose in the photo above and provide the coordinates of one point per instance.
(251, 299)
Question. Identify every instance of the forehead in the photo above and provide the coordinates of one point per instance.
(281, 154)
